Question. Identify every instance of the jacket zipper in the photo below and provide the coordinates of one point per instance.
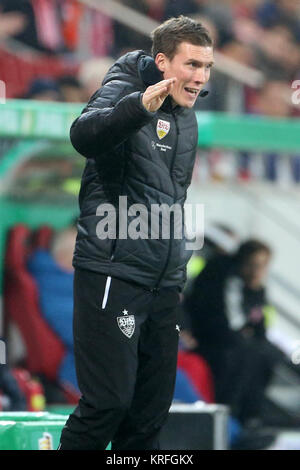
(156, 288)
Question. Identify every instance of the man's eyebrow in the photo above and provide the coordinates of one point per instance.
(199, 62)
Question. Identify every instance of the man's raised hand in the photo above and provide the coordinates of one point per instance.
(155, 95)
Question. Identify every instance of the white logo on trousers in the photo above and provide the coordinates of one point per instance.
(126, 324)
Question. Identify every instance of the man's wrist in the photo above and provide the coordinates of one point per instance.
(144, 107)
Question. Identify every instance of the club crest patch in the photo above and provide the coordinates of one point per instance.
(162, 128)
(126, 323)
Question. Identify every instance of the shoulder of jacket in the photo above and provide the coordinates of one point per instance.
(121, 79)
(110, 93)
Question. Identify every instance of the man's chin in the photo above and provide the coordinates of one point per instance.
(188, 104)
(183, 103)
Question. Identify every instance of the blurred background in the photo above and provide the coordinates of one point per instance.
(53, 57)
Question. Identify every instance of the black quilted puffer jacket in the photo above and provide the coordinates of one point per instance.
(147, 157)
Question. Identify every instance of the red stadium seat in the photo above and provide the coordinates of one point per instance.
(199, 373)
(44, 350)
(19, 70)
(42, 237)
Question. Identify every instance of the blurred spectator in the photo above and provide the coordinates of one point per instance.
(23, 14)
(273, 99)
(277, 55)
(219, 239)
(53, 273)
(245, 8)
(101, 34)
(155, 8)
(210, 26)
(71, 90)
(222, 16)
(261, 34)
(41, 29)
(71, 16)
(126, 39)
(91, 74)
(245, 26)
(194, 382)
(57, 26)
(44, 89)
(238, 51)
(11, 24)
(181, 7)
(86, 30)
(226, 310)
(11, 397)
(286, 12)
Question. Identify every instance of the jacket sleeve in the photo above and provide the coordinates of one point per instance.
(104, 125)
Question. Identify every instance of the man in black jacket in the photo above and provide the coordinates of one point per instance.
(227, 308)
(139, 136)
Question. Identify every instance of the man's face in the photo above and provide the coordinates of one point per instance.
(254, 270)
(191, 66)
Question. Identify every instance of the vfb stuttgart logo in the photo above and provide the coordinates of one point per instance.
(162, 128)
(126, 324)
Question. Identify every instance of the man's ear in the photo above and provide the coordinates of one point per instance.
(160, 61)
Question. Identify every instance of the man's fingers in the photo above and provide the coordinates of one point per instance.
(170, 87)
(161, 88)
(168, 90)
(164, 83)
(157, 93)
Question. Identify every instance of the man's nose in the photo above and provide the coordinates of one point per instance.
(200, 76)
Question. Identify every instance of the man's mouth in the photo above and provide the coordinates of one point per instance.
(192, 91)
